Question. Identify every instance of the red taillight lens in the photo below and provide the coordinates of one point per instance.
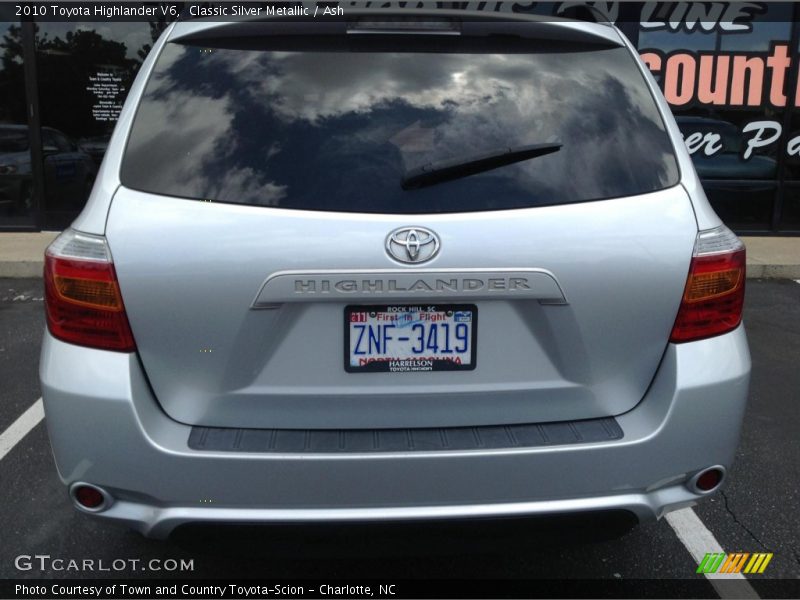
(714, 294)
(83, 303)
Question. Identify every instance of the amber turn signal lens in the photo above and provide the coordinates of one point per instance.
(89, 292)
(705, 286)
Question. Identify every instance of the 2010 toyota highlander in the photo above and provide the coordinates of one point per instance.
(394, 266)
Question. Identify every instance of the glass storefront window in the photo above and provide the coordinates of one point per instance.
(790, 215)
(772, 23)
(792, 148)
(727, 82)
(17, 205)
(743, 206)
(84, 73)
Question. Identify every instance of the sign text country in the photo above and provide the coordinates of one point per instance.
(728, 79)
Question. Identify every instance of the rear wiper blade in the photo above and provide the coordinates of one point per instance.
(456, 168)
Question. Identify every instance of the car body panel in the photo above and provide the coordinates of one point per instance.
(211, 360)
(115, 435)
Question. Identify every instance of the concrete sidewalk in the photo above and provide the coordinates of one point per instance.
(771, 257)
(767, 257)
(22, 254)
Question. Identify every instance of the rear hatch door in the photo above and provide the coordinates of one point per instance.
(254, 170)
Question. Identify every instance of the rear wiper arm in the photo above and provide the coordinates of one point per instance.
(456, 168)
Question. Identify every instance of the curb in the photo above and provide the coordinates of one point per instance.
(21, 268)
(761, 271)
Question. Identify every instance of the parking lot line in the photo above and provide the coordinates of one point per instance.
(699, 541)
(20, 428)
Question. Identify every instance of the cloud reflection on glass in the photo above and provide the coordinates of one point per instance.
(338, 130)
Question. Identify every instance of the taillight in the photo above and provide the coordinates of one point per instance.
(714, 294)
(83, 303)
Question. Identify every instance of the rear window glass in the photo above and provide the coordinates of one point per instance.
(339, 130)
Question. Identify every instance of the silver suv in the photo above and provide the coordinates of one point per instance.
(390, 269)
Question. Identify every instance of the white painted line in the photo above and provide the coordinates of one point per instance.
(797, 280)
(21, 427)
(699, 541)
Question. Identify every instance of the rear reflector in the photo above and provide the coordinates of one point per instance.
(83, 303)
(714, 294)
(709, 480)
(88, 497)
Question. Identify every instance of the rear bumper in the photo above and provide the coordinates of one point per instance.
(107, 429)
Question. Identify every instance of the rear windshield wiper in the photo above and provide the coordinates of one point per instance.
(455, 168)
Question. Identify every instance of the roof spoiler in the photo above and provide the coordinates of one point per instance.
(464, 22)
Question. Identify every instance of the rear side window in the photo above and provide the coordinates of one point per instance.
(338, 130)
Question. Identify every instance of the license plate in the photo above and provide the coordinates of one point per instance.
(401, 338)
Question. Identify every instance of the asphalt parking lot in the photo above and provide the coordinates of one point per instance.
(757, 512)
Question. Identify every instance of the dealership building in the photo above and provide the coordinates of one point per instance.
(728, 70)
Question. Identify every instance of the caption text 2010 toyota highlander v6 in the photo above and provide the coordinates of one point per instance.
(393, 269)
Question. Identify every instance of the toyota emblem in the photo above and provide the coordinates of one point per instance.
(412, 244)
